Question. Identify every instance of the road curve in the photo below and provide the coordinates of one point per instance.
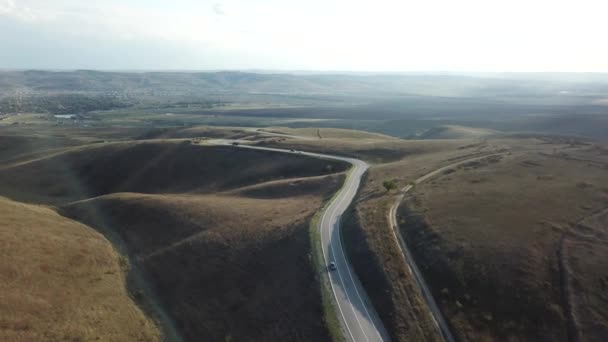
(437, 316)
(359, 320)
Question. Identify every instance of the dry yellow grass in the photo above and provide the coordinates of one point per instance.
(504, 246)
(221, 232)
(376, 151)
(456, 132)
(62, 281)
(224, 132)
(329, 133)
(173, 166)
(234, 265)
(17, 147)
(294, 187)
(227, 257)
(375, 252)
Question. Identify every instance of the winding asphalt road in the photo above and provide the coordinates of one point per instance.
(359, 320)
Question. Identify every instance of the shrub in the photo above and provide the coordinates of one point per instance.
(389, 184)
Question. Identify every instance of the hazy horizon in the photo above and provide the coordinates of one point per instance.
(314, 36)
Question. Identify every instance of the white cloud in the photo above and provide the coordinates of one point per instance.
(218, 8)
(10, 9)
(7, 6)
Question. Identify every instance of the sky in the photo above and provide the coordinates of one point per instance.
(323, 35)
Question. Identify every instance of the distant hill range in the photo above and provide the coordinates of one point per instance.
(401, 105)
(38, 81)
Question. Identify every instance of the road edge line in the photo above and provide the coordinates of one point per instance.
(330, 312)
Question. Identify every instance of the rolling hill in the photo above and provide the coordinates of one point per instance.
(456, 132)
(62, 280)
(150, 167)
(221, 234)
(514, 246)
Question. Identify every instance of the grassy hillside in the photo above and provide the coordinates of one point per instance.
(62, 280)
(514, 247)
(331, 133)
(376, 151)
(221, 233)
(374, 250)
(293, 187)
(456, 132)
(225, 266)
(151, 167)
(218, 132)
(19, 147)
